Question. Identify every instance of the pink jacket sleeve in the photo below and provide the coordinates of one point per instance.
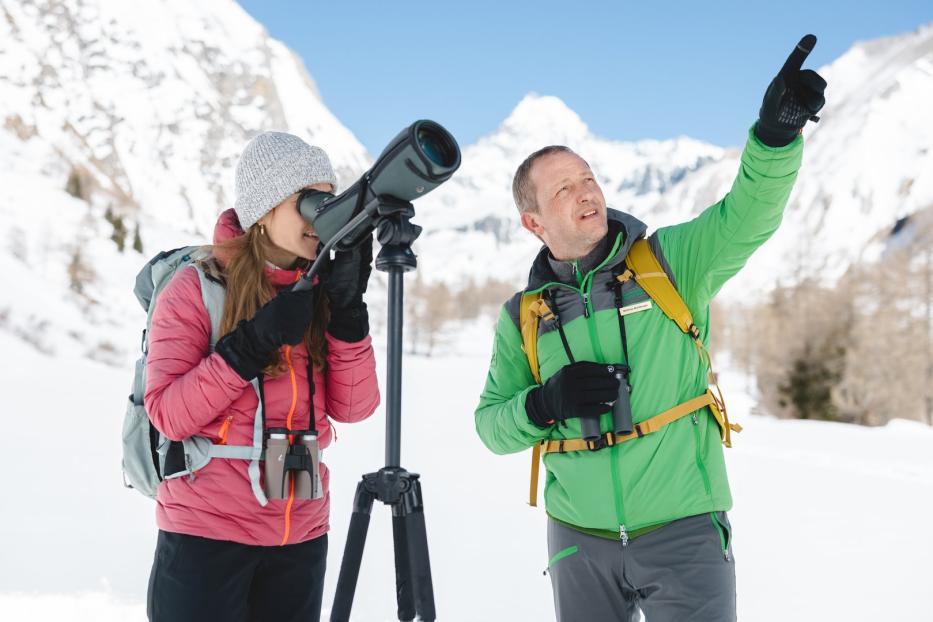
(186, 388)
(352, 391)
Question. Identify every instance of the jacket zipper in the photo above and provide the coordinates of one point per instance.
(699, 455)
(288, 424)
(586, 285)
(584, 290)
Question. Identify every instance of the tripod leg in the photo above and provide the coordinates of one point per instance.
(418, 551)
(403, 585)
(352, 554)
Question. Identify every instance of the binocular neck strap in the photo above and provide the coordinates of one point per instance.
(617, 285)
(552, 305)
(312, 425)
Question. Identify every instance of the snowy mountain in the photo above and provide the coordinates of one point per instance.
(862, 171)
(140, 110)
(121, 123)
(866, 164)
(472, 218)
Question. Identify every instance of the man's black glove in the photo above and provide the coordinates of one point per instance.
(793, 98)
(250, 347)
(581, 389)
(345, 280)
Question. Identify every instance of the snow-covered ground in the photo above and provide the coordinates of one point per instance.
(831, 521)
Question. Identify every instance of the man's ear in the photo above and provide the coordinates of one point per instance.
(531, 223)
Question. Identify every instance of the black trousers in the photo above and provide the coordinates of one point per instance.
(197, 579)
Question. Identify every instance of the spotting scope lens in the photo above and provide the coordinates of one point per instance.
(436, 146)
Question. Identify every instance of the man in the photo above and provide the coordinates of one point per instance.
(639, 524)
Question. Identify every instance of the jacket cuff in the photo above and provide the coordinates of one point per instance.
(755, 142)
(773, 162)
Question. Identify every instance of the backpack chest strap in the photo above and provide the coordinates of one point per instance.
(644, 428)
(649, 426)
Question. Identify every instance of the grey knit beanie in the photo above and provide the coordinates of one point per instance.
(273, 166)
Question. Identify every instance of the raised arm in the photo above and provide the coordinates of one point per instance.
(708, 250)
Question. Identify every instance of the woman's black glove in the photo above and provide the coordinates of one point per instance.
(581, 389)
(250, 347)
(793, 98)
(345, 280)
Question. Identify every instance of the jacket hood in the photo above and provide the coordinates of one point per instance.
(227, 228)
(621, 225)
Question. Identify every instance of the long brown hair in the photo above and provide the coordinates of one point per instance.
(240, 264)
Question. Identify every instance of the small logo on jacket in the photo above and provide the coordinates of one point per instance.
(635, 308)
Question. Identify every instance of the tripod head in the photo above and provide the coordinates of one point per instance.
(395, 233)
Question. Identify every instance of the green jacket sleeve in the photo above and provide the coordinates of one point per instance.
(501, 421)
(707, 251)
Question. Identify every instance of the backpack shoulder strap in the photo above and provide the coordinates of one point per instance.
(649, 273)
(212, 294)
(532, 308)
(528, 314)
(654, 280)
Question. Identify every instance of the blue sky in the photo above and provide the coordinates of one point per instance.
(630, 70)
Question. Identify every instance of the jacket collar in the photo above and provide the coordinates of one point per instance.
(624, 231)
(566, 271)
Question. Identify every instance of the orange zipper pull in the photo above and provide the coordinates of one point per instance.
(224, 430)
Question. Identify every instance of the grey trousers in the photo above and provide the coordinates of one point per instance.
(682, 572)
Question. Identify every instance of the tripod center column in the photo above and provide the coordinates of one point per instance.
(394, 372)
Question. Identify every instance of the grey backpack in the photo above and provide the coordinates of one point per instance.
(148, 456)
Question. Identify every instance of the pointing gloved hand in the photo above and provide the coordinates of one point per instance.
(345, 279)
(250, 347)
(793, 98)
(581, 389)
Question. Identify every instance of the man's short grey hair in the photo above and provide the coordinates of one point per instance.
(523, 191)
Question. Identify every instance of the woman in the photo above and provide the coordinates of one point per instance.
(221, 555)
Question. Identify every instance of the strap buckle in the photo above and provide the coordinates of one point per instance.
(540, 309)
(606, 440)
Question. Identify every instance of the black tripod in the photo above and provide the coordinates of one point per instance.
(392, 484)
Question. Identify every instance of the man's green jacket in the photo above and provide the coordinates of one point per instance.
(678, 471)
